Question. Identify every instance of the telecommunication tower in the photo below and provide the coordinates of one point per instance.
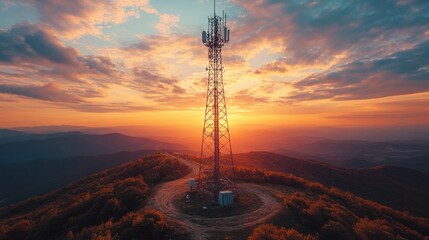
(216, 164)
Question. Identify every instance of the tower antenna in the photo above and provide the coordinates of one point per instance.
(216, 173)
(214, 7)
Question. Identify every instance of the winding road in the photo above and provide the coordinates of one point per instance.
(200, 227)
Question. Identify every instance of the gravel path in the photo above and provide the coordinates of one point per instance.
(199, 227)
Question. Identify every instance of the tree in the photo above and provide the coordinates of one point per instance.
(379, 229)
(271, 232)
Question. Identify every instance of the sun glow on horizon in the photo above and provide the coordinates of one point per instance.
(142, 64)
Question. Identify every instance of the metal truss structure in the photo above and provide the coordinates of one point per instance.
(216, 163)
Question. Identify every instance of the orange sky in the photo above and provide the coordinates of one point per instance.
(141, 63)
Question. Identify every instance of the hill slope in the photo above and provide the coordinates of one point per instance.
(76, 145)
(112, 205)
(400, 188)
(113, 198)
(27, 179)
(317, 212)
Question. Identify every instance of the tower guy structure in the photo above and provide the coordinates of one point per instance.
(216, 172)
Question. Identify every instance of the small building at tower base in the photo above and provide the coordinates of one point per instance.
(225, 198)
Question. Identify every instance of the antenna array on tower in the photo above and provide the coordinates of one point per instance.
(216, 163)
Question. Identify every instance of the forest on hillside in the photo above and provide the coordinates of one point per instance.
(107, 205)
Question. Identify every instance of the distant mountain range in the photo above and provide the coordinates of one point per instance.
(32, 164)
(20, 147)
(363, 154)
(397, 187)
(7, 136)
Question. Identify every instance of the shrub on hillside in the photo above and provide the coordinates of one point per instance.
(271, 232)
(374, 229)
(149, 224)
(336, 230)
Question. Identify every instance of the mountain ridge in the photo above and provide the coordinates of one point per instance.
(77, 145)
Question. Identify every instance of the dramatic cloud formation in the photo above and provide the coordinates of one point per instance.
(404, 72)
(81, 17)
(28, 43)
(342, 50)
(286, 61)
(33, 63)
(315, 31)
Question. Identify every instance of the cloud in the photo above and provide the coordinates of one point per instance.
(36, 64)
(231, 60)
(403, 72)
(140, 46)
(166, 22)
(100, 64)
(48, 92)
(279, 66)
(25, 42)
(316, 32)
(56, 94)
(338, 50)
(73, 19)
(163, 68)
(92, 76)
(246, 98)
(156, 85)
(279, 51)
(81, 17)
(110, 107)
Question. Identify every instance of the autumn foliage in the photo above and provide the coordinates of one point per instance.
(108, 205)
(112, 205)
(271, 232)
(315, 210)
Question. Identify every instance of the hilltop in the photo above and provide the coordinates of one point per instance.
(113, 204)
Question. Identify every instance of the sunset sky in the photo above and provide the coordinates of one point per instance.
(289, 64)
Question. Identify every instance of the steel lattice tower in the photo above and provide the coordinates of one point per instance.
(216, 163)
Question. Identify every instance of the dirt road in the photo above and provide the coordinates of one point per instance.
(162, 200)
